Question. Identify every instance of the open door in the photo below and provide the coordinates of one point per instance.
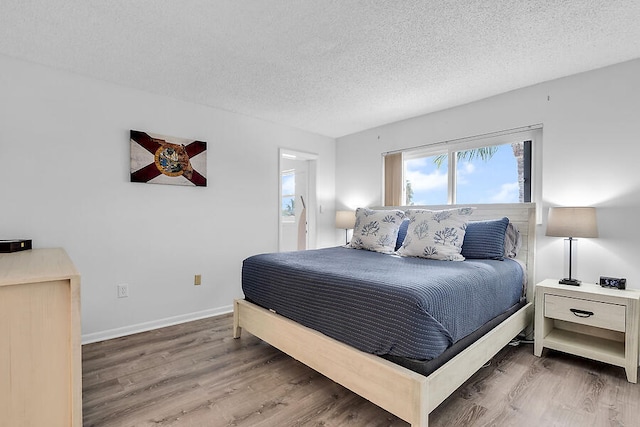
(297, 201)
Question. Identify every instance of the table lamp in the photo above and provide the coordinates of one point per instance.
(346, 220)
(572, 222)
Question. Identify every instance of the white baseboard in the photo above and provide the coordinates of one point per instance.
(155, 324)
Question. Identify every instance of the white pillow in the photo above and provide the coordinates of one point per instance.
(436, 234)
(376, 230)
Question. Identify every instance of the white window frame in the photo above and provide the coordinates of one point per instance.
(530, 133)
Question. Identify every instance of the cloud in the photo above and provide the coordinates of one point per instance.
(424, 182)
(465, 169)
(288, 184)
(418, 163)
(508, 193)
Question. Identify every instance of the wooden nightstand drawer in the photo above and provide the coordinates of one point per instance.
(585, 312)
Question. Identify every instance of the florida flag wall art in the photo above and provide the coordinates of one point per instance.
(161, 159)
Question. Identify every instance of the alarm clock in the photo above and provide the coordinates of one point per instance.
(613, 282)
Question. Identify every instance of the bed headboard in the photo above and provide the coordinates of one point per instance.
(523, 215)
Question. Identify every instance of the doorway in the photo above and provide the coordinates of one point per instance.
(297, 200)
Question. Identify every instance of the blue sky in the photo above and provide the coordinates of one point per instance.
(479, 181)
(288, 187)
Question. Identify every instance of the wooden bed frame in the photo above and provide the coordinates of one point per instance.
(406, 394)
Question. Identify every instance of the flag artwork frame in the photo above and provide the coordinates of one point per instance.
(162, 159)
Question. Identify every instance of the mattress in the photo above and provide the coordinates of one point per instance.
(384, 304)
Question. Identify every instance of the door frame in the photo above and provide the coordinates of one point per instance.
(312, 196)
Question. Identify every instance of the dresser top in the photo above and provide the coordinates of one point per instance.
(36, 265)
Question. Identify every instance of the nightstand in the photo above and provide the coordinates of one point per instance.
(589, 321)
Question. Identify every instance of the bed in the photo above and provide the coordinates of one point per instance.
(403, 389)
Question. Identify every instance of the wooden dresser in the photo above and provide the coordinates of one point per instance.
(40, 353)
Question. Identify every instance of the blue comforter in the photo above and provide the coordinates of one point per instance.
(383, 304)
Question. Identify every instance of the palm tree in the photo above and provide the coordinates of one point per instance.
(409, 193)
(484, 153)
(289, 209)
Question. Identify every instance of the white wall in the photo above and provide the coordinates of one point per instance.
(64, 182)
(590, 156)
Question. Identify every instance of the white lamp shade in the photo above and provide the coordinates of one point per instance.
(572, 222)
(345, 219)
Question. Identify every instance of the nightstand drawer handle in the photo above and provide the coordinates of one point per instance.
(581, 313)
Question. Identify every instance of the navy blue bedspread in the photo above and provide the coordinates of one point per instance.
(383, 304)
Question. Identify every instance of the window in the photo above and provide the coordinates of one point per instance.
(426, 179)
(488, 169)
(288, 183)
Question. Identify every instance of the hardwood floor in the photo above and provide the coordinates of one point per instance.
(195, 374)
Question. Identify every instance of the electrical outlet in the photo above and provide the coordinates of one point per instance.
(197, 280)
(123, 290)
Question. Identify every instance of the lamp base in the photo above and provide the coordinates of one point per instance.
(572, 282)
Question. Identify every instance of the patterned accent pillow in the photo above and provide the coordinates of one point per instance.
(436, 234)
(376, 230)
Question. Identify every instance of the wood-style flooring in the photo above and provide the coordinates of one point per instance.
(195, 374)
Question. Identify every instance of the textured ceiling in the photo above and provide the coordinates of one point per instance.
(326, 66)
